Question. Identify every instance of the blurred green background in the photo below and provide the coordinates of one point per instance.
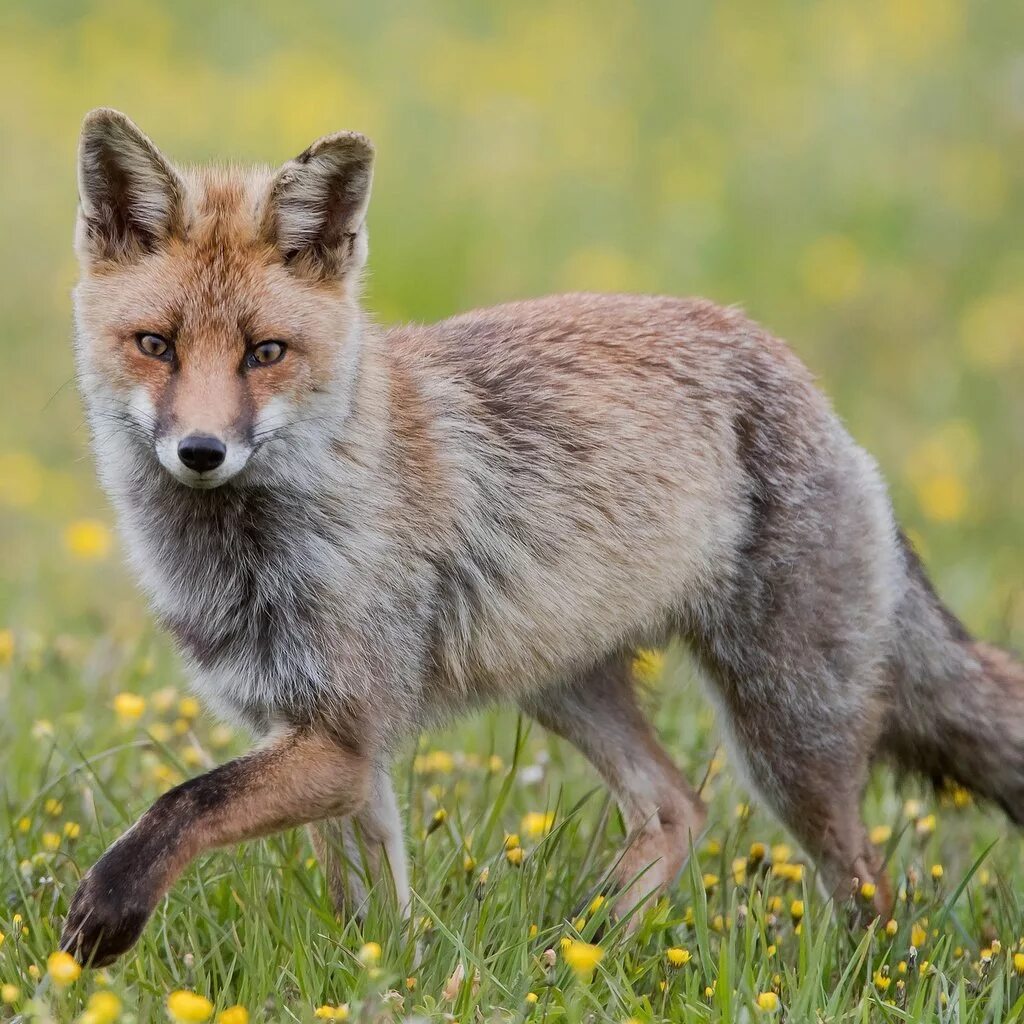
(851, 173)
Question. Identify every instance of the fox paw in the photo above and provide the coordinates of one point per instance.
(101, 925)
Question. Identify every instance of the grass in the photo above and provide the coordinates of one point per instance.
(489, 938)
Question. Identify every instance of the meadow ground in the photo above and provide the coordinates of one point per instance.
(509, 840)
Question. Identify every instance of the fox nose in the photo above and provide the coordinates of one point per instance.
(202, 452)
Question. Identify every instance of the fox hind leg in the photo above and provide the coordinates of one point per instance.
(598, 713)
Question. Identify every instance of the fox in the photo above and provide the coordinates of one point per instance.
(353, 533)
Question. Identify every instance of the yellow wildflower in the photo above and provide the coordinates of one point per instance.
(6, 646)
(514, 856)
(757, 852)
(53, 807)
(918, 936)
(583, 958)
(103, 1008)
(881, 834)
(768, 1002)
(511, 840)
(882, 979)
(369, 954)
(332, 1012)
(188, 707)
(186, 1007)
(63, 968)
(868, 890)
(129, 707)
(926, 825)
(531, 998)
(677, 957)
(34, 972)
(596, 904)
(710, 880)
(937, 872)
(649, 666)
(796, 909)
(87, 539)
(538, 823)
(236, 1014)
(1018, 963)
(891, 927)
(51, 841)
(72, 829)
(10, 994)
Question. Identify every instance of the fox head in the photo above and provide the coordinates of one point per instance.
(215, 308)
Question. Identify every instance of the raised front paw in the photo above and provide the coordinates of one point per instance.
(103, 921)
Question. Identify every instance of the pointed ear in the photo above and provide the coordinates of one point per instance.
(130, 198)
(316, 208)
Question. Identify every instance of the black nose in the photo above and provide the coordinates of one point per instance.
(202, 452)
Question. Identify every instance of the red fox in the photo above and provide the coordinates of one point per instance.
(354, 532)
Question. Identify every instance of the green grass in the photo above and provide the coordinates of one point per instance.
(253, 926)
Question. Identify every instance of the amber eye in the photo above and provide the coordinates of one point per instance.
(155, 346)
(266, 353)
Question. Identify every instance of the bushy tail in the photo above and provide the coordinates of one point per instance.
(958, 713)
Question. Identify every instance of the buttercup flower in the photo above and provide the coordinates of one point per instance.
(63, 968)
(186, 1007)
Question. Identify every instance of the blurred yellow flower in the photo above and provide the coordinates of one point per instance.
(796, 909)
(582, 958)
(833, 268)
(129, 707)
(992, 328)
(72, 829)
(87, 539)
(918, 936)
(937, 872)
(514, 856)
(369, 954)
(6, 647)
(439, 761)
(537, 823)
(50, 841)
(102, 1008)
(62, 968)
(943, 498)
(768, 1002)
(1018, 963)
(236, 1014)
(332, 1012)
(649, 666)
(188, 707)
(880, 834)
(10, 994)
(868, 890)
(186, 1007)
(891, 927)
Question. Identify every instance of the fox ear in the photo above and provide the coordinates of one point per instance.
(316, 208)
(130, 197)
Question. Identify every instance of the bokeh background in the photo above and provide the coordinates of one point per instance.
(852, 174)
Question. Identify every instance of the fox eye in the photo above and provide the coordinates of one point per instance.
(154, 345)
(266, 353)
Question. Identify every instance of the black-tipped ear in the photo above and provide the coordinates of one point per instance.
(316, 209)
(130, 197)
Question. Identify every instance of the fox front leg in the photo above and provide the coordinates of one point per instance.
(304, 776)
